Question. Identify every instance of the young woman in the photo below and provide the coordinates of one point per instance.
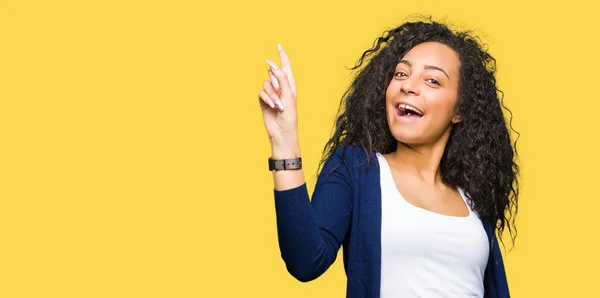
(417, 178)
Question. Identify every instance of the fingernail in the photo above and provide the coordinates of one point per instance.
(272, 64)
(279, 104)
(274, 81)
(269, 101)
(279, 47)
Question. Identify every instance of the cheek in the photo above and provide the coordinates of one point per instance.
(392, 89)
(443, 105)
(389, 99)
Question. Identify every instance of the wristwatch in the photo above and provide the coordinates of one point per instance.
(285, 164)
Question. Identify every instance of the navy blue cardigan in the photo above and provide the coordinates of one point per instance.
(346, 210)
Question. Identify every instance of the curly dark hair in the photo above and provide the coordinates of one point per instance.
(479, 156)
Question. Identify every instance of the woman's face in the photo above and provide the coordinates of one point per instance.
(422, 95)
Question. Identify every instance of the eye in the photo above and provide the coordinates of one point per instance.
(433, 81)
(401, 74)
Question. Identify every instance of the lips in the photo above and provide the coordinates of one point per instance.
(406, 110)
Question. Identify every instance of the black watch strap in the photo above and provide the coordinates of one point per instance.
(285, 164)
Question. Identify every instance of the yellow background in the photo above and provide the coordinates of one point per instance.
(133, 154)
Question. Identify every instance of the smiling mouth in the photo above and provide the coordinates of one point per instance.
(404, 110)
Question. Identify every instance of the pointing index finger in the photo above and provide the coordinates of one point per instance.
(287, 68)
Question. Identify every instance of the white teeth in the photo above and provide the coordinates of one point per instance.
(410, 109)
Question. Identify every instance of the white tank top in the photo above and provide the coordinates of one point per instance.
(427, 254)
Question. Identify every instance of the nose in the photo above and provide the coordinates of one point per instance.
(410, 85)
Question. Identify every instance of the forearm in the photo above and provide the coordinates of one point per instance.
(300, 240)
(311, 232)
(286, 179)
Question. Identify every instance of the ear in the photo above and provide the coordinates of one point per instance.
(456, 118)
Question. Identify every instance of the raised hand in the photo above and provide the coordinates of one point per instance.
(278, 106)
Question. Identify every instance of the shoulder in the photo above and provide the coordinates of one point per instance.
(350, 164)
(354, 151)
(353, 156)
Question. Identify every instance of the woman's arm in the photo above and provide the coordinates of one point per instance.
(311, 232)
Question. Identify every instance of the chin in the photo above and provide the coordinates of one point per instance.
(406, 137)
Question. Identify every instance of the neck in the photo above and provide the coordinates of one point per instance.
(422, 160)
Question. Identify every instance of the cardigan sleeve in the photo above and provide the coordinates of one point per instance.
(310, 233)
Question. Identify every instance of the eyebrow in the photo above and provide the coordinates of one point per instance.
(426, 67)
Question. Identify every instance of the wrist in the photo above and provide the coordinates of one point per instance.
(285, 151)
(285, 154)
(285, 164)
